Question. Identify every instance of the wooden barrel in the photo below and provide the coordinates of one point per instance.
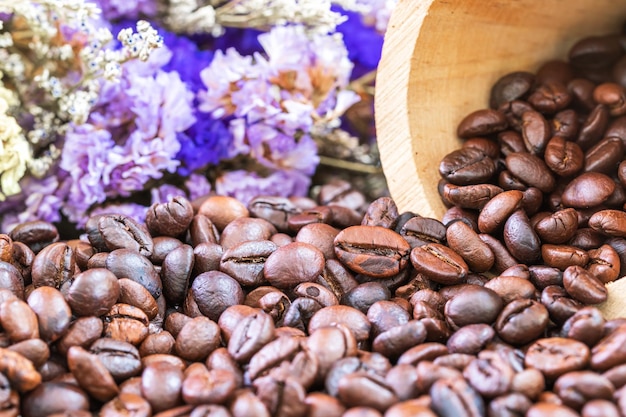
(439, 61)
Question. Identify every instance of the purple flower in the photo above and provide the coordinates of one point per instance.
(364, 43)
(207, 141)
(197, 186)
(245, 185)
(187, 59)
(131, 138)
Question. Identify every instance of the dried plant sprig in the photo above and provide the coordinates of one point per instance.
(54, 57)
(198, 16)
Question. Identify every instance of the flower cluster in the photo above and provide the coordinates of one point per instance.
(234, 97)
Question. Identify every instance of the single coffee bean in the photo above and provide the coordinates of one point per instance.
(171, 218)
(53, 397)
(555, 356)
(522, 321)
(372, 250)
(473, 304)
(214, 292)
(465, 241)
(512, 86)
(584, 286)
(489, 374)
(122, 232)
(351, 318)
(53, 312)
(531, 170)
(127, 323)
(91, 374)
(120, 358)
(467, 166)
(520, 238)
(250, 335)
(93, 292)
(578, 387)
(536, 130)
(550, 96)
(589, 189)
(197, 339)
(482, 123)
(439, 263)
(176, 273)
(455, 397)
(563, 256)
(127, 263)
(53, 266)
(563, 157)
(470, 339)
(609, 222)
(35, 234)
(161, 384)
(469, 196)
(593, 127)
(610, 351)
(586, 325)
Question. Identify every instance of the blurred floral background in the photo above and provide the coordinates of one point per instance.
(113, 105)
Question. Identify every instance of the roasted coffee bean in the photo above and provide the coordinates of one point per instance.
(610, 351)
(558, 227)
(512, 86)
(127, 263)
(563, 256)
(470, 196)
(171, 218)
(365, 389)
(593, 127)
(351, 318)
(595, 52)
(439, 263)
(604, 156)
(536, 130)
(522, 321)
(53, 312)
(81, 332)
(555, 356)
(91, 374)
(120, 358)
(245, 261)
(137, 295)
(520, 238)
(455, 397)
(222, 210)
(609, 222)
(531, 170)
(489, 374)
(563, 157)
(560, 306)
(197, 339)
(565, 123)
(586, 325)
(203, 230)
(471, 305)
(372, 250)
(54, 397)
(122, 232)
(53, 266)
(550, 96)
(511, 288)
(599, 408)
(176, 273)
(545, 409)
(202, 386)
(250, 335)
(93, 292)
(578, 387)
(613, 96)
(276, 210)
(35, 234)
(481, 123)
(126, 403)
(582, 92)
(293, 264)
(495, 213)
(214, 292)
(419, 231)
(127, 323)
(161, 384)
(162, 246)
(470, 339)
(584, 286)
(18, 320)
(590, 189)
(395, 341)
(465, 241)
(467, 166)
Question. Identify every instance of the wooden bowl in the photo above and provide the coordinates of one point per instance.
(439, 61)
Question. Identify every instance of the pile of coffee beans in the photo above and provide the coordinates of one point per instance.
(329, 306)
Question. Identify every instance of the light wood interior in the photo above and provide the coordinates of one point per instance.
(439, 61)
